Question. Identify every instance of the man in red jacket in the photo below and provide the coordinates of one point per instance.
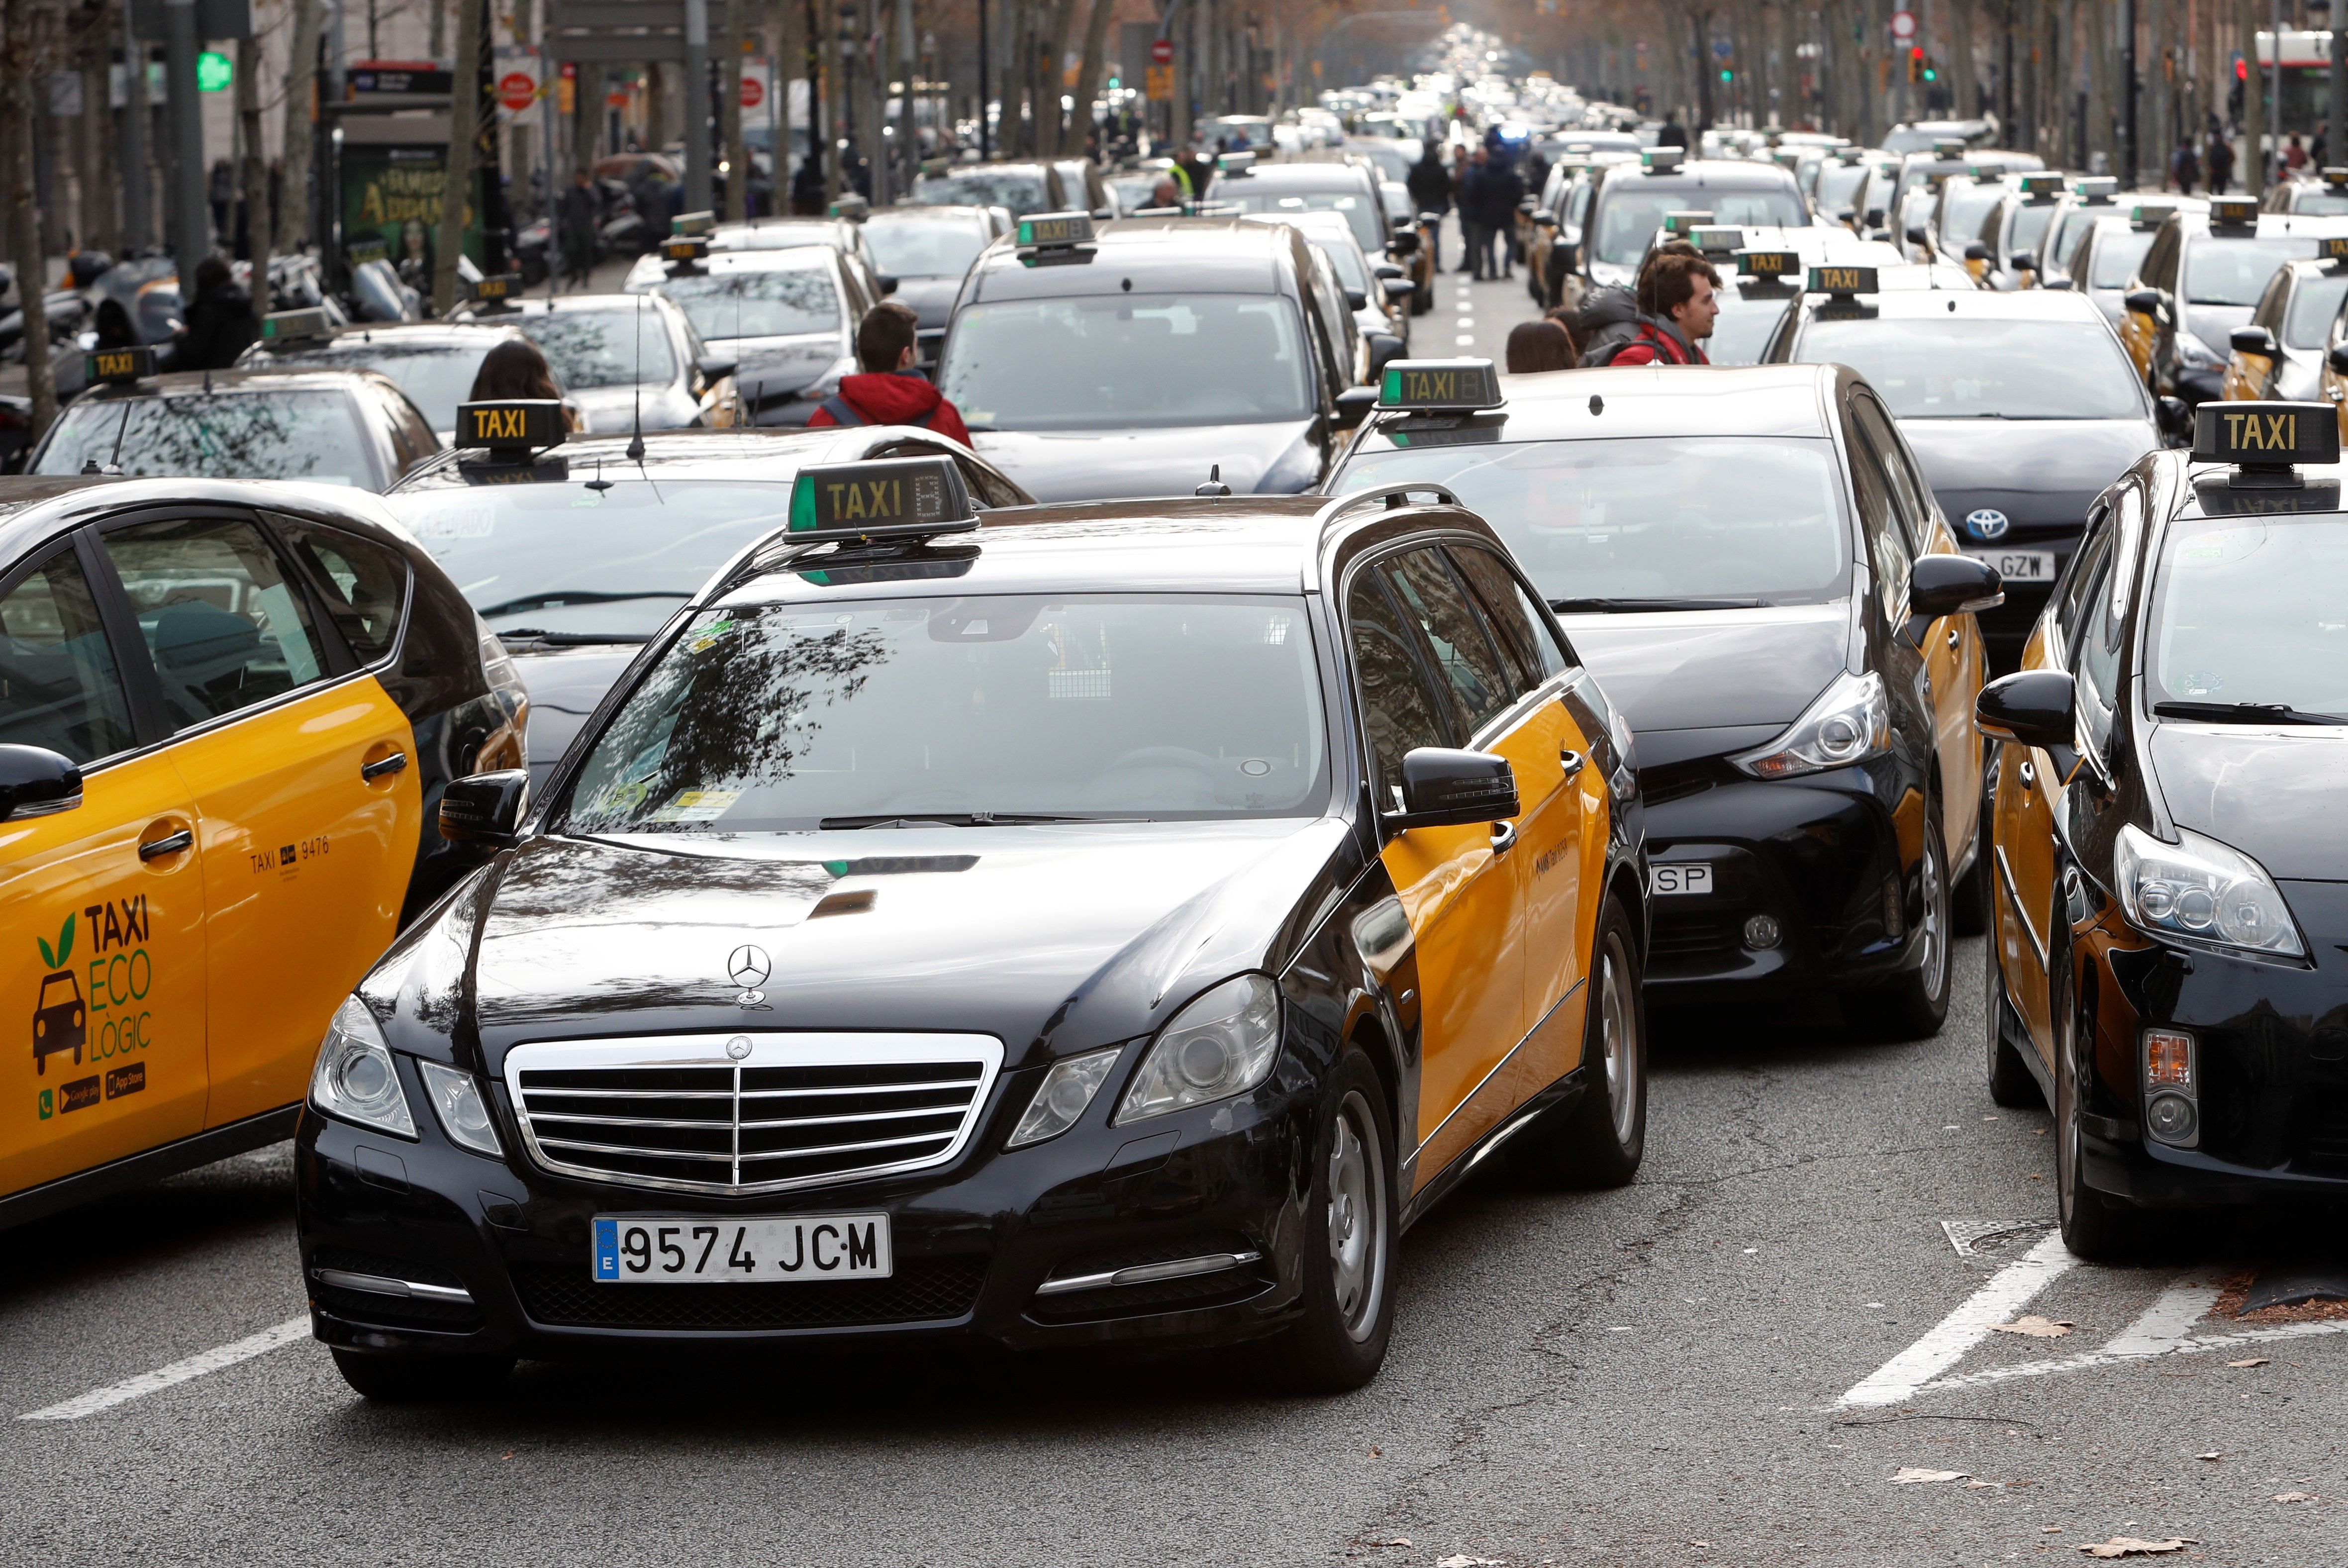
(1677, 310)
(891, 391)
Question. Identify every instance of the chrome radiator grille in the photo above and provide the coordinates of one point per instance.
(794, 1110)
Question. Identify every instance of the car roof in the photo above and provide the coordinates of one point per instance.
(781, 234)
(1619, 401)
(253, 378)
(35, 508)
(1201, 255)
(1299, 176)
(1975, 305)
(582, 304)
(1704, 174)
(810, 257)
(2270, 225)
(939, 212)
(361, 336)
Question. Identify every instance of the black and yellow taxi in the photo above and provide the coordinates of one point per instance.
(2169, 949)
(1752, 562)
(2278, 353)
(2105, 256)
(433, 363)
(2325, 192)
(1092, 925)
(2199, 279)
(1553, 251)
(2020, 407)
(336, 426)
(227, 713)
(576, 551)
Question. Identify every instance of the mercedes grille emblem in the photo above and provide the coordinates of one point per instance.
(738, 1046)
(1987, 523)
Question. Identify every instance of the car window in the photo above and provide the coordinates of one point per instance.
(59, 687)
(1909, 498)
(2313, 305)
(605, 347)
(1522, 632)
(2117, 252)
(1465, 652)
(2097, 658)
(2072, 592)
(1884, 547)
(363, 583)
(1400, 708)
(224, 625)
(271, 435)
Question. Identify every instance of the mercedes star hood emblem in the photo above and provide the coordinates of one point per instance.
(747, 966)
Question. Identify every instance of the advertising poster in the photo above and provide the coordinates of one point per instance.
(391, 195)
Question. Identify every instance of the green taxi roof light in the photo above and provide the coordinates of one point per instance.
(1440, 386)
(1055, 230)
(887, 499)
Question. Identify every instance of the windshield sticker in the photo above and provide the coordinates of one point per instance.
(457, 523)
(696, 805)
(710, 636)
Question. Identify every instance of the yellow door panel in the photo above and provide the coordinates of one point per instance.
(105, 976)
(1463, 903)
(306, 866)
(2135, 336)
(1553, 835)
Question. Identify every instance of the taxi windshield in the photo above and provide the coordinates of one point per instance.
(564, 559)
(2330, 201)
(1956, 368)
(2076, 223)
(908, 245)
(2236, 272)
(1359, 209)
(1629, 214)
(1965, 204)
(605, 347)
(766, 302)
(436, 376)
(1838, 184)
(773, 717)
(1108, 361)
(1022, 191)
(2308, 323)
(1735, 517)
(2116, 255)
(2253, 610)
(2030, 220)
(219, 436)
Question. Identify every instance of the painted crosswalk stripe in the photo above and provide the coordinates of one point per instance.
(178, 1372)
(1465, 340)
(2008, 1292)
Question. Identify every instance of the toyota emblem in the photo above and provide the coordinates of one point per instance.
(747, 965)
(1987, 523)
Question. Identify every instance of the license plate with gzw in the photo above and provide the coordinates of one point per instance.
(687, 1251)
(1661, 880)
(2019, 565)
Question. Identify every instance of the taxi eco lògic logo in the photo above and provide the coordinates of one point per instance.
(94, 1013)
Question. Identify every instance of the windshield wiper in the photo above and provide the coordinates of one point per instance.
(1630, 606)
(572, 639)
(963, 820)
(2245, 713)
(562, 600)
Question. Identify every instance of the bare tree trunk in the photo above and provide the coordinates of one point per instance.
(2251, 167)
(1088, 75)
(301, 123)
(1964, 72)
(257, 224)
(102, 184)
(20, 63)
(464, 131)
(729, 118)
(1055, 50)
(438, 11)
(790, 65)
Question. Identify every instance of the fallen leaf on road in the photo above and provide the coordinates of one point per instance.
(1907, 1474)
(2249, 1361)
(2050, 1530)
(2294, 1497)
(1977, 1485)
(1462, 1560)
(2129, 1546)
(2213, 1457)
(2036, 1327)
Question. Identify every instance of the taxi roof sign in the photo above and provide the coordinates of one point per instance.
(1717, 238)
(690, 224)
(2332, 247)
(120, 366)
(1769, 263)
(2334, 174)
(891, 498)
(509, 427)
(1686, 222)
(2233, 210)
(294, 326)
(684, 251)
(2043, 185)
(1662, 160)
(497, 287)
(2151, 214)
(1056, 230)
(2265, 441)
(1235, 162)
(1949, 147)
(1440, 386)
(1841, 281)
(2097, 188)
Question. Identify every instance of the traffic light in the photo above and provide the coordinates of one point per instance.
(1726, 75)
(1916, 64)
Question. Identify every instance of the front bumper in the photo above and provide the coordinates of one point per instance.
(972, 1244)
(1821, 855)
(2270, 1043)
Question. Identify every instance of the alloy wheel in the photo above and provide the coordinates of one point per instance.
(1358, 1216)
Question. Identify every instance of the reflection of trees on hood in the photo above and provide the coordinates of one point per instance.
(737, 715)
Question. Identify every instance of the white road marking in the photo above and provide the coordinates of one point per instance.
(178, 1372)
(1465, 340)
(2008, 1291)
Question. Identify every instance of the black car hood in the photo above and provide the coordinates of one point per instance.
(2041, 473)
(1052, 938)
(1108, 465)
(2273, 795)
(930, 299)
(1699, 683)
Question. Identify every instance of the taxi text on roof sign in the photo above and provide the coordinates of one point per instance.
(521, 424)
(1455, 385)
(2233, 210)
(2335, 175)
(120, 364)
(683, 250)
(1769, 263)
(500, 285)
(288, 325)
(1685, 223)
(891, 498)
(2332, 247)
(1048, 230)
(2266, 435)
(1843, 280)
(1715, 238)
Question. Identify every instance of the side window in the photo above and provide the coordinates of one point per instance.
(58, 684)
(1523, 629)
(1400, 710)
(1465, 654)
(1886, 551)
(2073, 591)
(412, 436)
(225, 626)
(2269, 311)
(2160, 267)
(363, 584)
(1909, 500)
(2096, 658)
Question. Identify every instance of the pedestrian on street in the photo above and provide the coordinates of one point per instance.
(1538, 345)
(1673, 134)
(1430, 191)
(807, 189)
(2185, 168)
(891, 391)
(1677, 310)
(2295, 156)
(218, 325)
(1468, 175)
(1504, 190)
(2219, 165)
(576, 216)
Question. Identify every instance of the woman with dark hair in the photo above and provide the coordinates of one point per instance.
(515, 368)
(1538, 345)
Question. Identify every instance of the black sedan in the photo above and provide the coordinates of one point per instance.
(2169, 955)
(1111, 925)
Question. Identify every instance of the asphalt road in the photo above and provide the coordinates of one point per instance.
(1727, 1362)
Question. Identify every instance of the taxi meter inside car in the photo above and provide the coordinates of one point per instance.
(1061, 926)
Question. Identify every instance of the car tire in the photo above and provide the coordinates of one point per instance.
(394, 1378)
(1601, 1138)
(1970, 899)
(1913, 1006)
(2095, 1226)
(1351, 1228)
(2011, 1082)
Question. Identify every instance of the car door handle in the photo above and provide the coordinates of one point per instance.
(1573, 760)
(1504, 838)
(169, 844)
(2029, 774)
(1953, 638)
(395, 763)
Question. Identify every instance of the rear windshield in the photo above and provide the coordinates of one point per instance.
(223, 435)
(436, 376)
(773, 303)
(2236, 272)
(2029, 224)
(605, 347)
(1629, 214)
(1022, 191)
(2308, 324)
(909, 245)
(2116, 256)
(1955, 369)
(1744, 327)
(1360, 210)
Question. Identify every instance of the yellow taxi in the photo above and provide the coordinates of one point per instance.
(227, 713)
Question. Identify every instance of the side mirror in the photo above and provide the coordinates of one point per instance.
(2336, 356)
(2032, 708)
(1977, 251)
(1353, 405)
(2143, 302)
(1404, 242)
(715, 367)
(1545, 221)
(36, 782)
(888, 286)
(1387, 270)
(1356, 299)
(1874, 218)
(1441, 788)
(1942, 586)
(1919, 235)
(485, 808)
(2024, 262)
(2175, 417)
(1385, 349)
(2055, 281)
(2252, 340)
(1399, 290)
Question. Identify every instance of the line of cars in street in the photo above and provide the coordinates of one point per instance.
(841, 882)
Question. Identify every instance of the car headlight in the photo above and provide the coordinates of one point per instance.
(1222, 1044)
(355, 1079)
(1849, 722)
(457, 1100)
(2192, 351)
(2203, 891)
(1063, 1096)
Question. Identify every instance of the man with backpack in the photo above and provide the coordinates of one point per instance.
(1677, 310)
(891, 391)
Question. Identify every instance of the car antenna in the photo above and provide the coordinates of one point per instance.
(1214, 485)
(599, 484)
(636, 442)
(114, 462)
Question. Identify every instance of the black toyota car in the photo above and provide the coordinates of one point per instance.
(2169, 961)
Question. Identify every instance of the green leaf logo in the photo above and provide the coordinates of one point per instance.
(57, 959)
(47, 957)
